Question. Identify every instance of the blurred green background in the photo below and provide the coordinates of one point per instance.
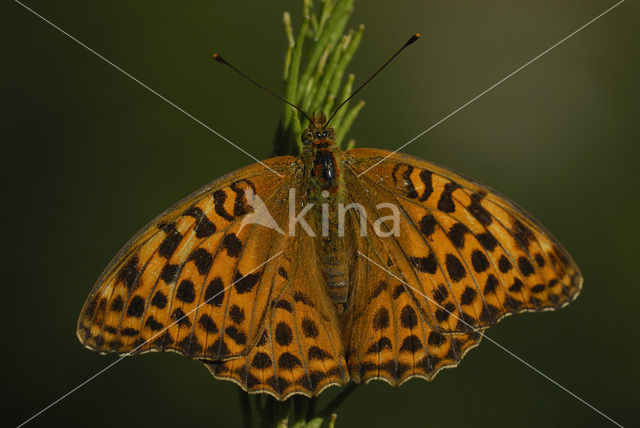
(89, 156)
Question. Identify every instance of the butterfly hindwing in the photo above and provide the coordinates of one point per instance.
(391, 336)
(300, 350)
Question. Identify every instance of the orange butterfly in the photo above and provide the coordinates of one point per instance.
(286, 304)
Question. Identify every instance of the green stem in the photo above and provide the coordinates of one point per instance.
(245, 407)
(314, 68)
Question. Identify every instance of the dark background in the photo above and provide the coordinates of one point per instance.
(89, 156)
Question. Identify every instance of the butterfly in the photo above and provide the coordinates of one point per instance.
(291, 314)
(278, 278)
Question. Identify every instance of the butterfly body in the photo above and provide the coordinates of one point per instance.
(357, 299)
(323, 162)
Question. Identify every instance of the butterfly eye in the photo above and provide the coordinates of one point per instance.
(324, 134)
(318, 134)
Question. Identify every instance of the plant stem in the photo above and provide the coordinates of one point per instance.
(314, 68)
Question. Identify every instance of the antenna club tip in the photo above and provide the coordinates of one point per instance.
(413, 38)
(218, 58)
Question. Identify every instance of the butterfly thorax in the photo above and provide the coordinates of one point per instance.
(325, 186)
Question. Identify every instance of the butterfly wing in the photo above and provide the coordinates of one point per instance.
(186, 279)
(391, 337)
(466, 256)
(300, 350)
(200, 282)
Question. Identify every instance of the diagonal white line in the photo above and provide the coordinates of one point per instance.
(493, 341)
(162, 97)
(142, 344)
(540, 55)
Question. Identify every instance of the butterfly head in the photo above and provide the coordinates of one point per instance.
(318, 132)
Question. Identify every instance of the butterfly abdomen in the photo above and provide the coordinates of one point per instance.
(326, 192)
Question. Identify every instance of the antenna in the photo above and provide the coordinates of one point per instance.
(410, 41)
(224, 61)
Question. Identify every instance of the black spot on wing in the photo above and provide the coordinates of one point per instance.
(456, 234)
(190, 345)
(170, 242)
(159, 300)
(316, 353)
(219, 197)
(117, 304)
(241, 206)
(522, 234)
(283, 335)
(128, 274)
(411, 344)
(504, 264)
(440, 293)
(426, 178)
(428, 225)
(136, 307)
(525, 266)
(236, 313)
(239, 337)
(466, 298)
(214, 294)
(309, 328)
(207, 323)
(261, 361)
(516, 286)
(479, 261)
(232, 244)
(180, 318)
(299, 296)
(202, 259)
(408, 317)
(487, 240)
(445, 203)
(478, 211)
(245, 283)
(186, 291)
(288, 361)
(455, 268)
(381, 319)
(436, 339)
(398, 290)
(153, 324)
(491, 284)
(204, 227)
(283, 304)
(169, 273)
(380, 345)
(382, 286)
(425, 264)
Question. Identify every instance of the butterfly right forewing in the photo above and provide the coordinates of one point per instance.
(179, 282)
